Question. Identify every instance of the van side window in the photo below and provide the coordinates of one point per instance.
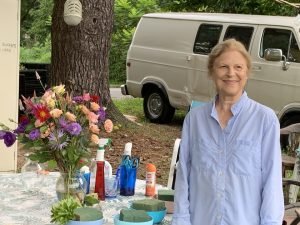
(282, 39)
(242, 34)
(207, 37)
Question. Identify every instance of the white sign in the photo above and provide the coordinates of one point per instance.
(9, 75)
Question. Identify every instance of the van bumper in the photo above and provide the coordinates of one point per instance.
(124, 90)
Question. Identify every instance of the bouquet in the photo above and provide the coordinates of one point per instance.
(59, 128)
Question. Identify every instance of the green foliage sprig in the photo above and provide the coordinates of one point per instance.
(63, 211)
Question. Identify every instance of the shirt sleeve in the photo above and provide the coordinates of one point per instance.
(181, 214)
(272, 208)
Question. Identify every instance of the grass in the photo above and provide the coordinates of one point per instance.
(134, 107)
(131, 106)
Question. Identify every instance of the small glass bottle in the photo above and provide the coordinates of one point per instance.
(31, 175)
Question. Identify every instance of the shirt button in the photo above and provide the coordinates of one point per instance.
(220, 173)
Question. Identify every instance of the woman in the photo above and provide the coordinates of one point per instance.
(229, 170)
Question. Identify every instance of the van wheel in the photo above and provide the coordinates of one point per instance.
(284, 139)
(157, 107)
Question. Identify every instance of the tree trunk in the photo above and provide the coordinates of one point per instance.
(80, 53)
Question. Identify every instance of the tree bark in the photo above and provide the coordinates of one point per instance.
(80, 53)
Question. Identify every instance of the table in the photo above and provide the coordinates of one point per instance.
(20, 207)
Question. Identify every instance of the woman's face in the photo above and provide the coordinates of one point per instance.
(230, 74)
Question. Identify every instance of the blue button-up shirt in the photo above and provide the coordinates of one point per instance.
(230, 176)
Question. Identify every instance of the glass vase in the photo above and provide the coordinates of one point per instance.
(31, 176)
(73, 184)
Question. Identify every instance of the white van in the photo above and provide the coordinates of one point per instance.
(166, 61)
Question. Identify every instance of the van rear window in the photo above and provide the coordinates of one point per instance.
(207, 37)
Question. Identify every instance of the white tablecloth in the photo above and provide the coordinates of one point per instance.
(18, 206)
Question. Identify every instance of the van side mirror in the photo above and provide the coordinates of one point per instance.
(275, 54)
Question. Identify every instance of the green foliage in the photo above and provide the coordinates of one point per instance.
(38, 53)
(35, 22)
(63, 211)
(127, 15)
(263, 7)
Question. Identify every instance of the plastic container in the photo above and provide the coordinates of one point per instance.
(157, 216)
(127, 180)
(96, 222)
(119, 222)
(150, 180)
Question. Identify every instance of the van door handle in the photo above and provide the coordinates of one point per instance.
(188, 58)
(256, 67)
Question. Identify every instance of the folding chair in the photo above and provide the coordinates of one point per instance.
(175, 155)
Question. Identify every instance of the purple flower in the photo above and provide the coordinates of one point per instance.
(78, 99)
(63, 123)
(73, 128)
(21, 127)
(34, 134)
(102, 114)
(9, 138)
(57, 140)
(2, 133)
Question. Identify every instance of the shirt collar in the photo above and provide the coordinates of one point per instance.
(236, 107)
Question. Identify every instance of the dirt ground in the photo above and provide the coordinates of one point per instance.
(153, 143)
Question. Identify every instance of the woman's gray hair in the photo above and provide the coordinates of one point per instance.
(229, 44)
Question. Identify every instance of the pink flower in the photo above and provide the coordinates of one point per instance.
(108, 126)
(47, 96)
(94, 128)
(92, 117)
(55, 113)
(86, 97)
(70, 117)
(94, 106)
(38, 123)
(95, 139)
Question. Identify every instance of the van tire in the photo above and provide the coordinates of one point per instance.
(157, 107)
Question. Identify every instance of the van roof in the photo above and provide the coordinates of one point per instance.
(231, 18)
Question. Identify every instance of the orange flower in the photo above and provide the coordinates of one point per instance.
(84, 109)
(108, 126)
(92, 117)
(95, 139)
(94, 106)
(55, 113)
(94, 128)
(70, 116)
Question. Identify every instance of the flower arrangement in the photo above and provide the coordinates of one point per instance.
(58, 127)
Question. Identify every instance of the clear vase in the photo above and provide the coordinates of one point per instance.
(73, 184)
(31, 176)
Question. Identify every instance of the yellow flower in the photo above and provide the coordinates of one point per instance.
(94, 106)
(55, 113)
(108, 126)
(51, 103)
(94, 128)
(70, 116)
(95, 139)
(59, 90)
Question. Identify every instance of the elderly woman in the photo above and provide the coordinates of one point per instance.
(229, 170)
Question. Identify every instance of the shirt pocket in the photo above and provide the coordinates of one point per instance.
(204, 156)
(245, 158)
